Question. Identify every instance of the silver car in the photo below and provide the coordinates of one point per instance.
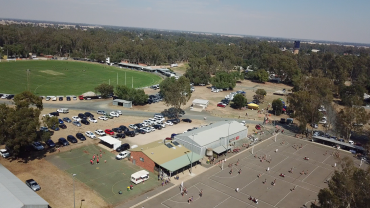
(33, 185)
(76, 123)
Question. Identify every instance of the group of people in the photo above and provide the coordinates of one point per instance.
(297, 147)
(96, 156)
(253, 199)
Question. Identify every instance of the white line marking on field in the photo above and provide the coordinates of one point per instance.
(223, 201)
(282, 198)
(310, 173)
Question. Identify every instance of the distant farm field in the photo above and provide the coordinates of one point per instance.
(66, 77)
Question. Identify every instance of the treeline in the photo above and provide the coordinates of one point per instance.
(207, 53)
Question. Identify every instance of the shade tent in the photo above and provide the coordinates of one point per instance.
(112, 141)
(180, 162)
(220, 149)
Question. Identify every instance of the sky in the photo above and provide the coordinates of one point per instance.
(331, 20)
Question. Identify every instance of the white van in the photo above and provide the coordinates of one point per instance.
(140, 176)
(351, 142)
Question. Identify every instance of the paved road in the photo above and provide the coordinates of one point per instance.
(103, 105)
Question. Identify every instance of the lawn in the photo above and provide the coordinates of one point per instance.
(66, 77)
(107, 179)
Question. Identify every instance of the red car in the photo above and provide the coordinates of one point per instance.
(108, 131)
(258, 127)
(221, 105)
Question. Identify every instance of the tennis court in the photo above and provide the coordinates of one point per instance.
(260, 178)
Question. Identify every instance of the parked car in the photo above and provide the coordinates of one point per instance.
(108, 131)
(100, 132)
(119, 112)
(104, 118)
(93, 120)
(71, 139)
(117, 130)
(76, 123)
(90, 134)
(141, 131)
(33, 185)
(68, 98)
(4, 153)
(114, 114)
(159, 127)
(124, 128)
(50, 143)
(130, 133)
(315, 126)
(132, 126)
(82, 116)
(120, 135)
(80, 136)
(222, 105)
(55, 128)
(100, 112)
(84, 121)
(88, 114)
(122, 155)
(169, 123)
(63, 141)
(60, 121)
(62, 126)
(54, 113)
(123, 147)
(37, 146)
(258, 127)
(66, 119)
(187, 120)
(76, 118)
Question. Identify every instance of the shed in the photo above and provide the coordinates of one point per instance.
(112, 141)
(123, 103)
(218, 134)
(200, 102)
(16, 194)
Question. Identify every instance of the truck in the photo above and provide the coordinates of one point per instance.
(63, 110)
(81, 97)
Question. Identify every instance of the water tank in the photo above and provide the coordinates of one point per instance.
(209, 152)
(297, 44)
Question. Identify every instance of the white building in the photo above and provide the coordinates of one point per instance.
(217, 136)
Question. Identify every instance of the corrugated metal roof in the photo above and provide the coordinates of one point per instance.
(122, 101)
(220, 149)
(213, 132)
(181, 162)
(15, 193)
(162, 154)
(147, 146)
(200, 101)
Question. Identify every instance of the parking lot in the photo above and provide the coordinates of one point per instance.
(297, 188)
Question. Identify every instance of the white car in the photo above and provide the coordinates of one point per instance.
(114, 114)
(169, 123)
(90, 134)
(162, 124)
(100, 132)
(147, 130)
(4, 96)
(132, 126)
(119, 112)
(160, 119)
(144, 124)
(151, 128)
(242, 123)
(100, 112)
(152, 119)
(54, 99)
(104, 118)
(148, 122)
(76, 118)
(47, 115)
(4, 153)
(122, 155)
(158, 116)
(93, 120)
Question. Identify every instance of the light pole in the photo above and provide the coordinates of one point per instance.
(228, 139)
(74, 193)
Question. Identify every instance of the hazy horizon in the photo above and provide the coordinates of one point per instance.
(339, 21)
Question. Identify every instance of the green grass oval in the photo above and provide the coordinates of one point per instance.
(66, 77)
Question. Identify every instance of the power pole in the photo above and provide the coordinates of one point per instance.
(125, 78)
(132, 82)
(117, 78)
(28, 81)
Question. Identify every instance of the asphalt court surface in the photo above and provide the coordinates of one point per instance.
(299, 187)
